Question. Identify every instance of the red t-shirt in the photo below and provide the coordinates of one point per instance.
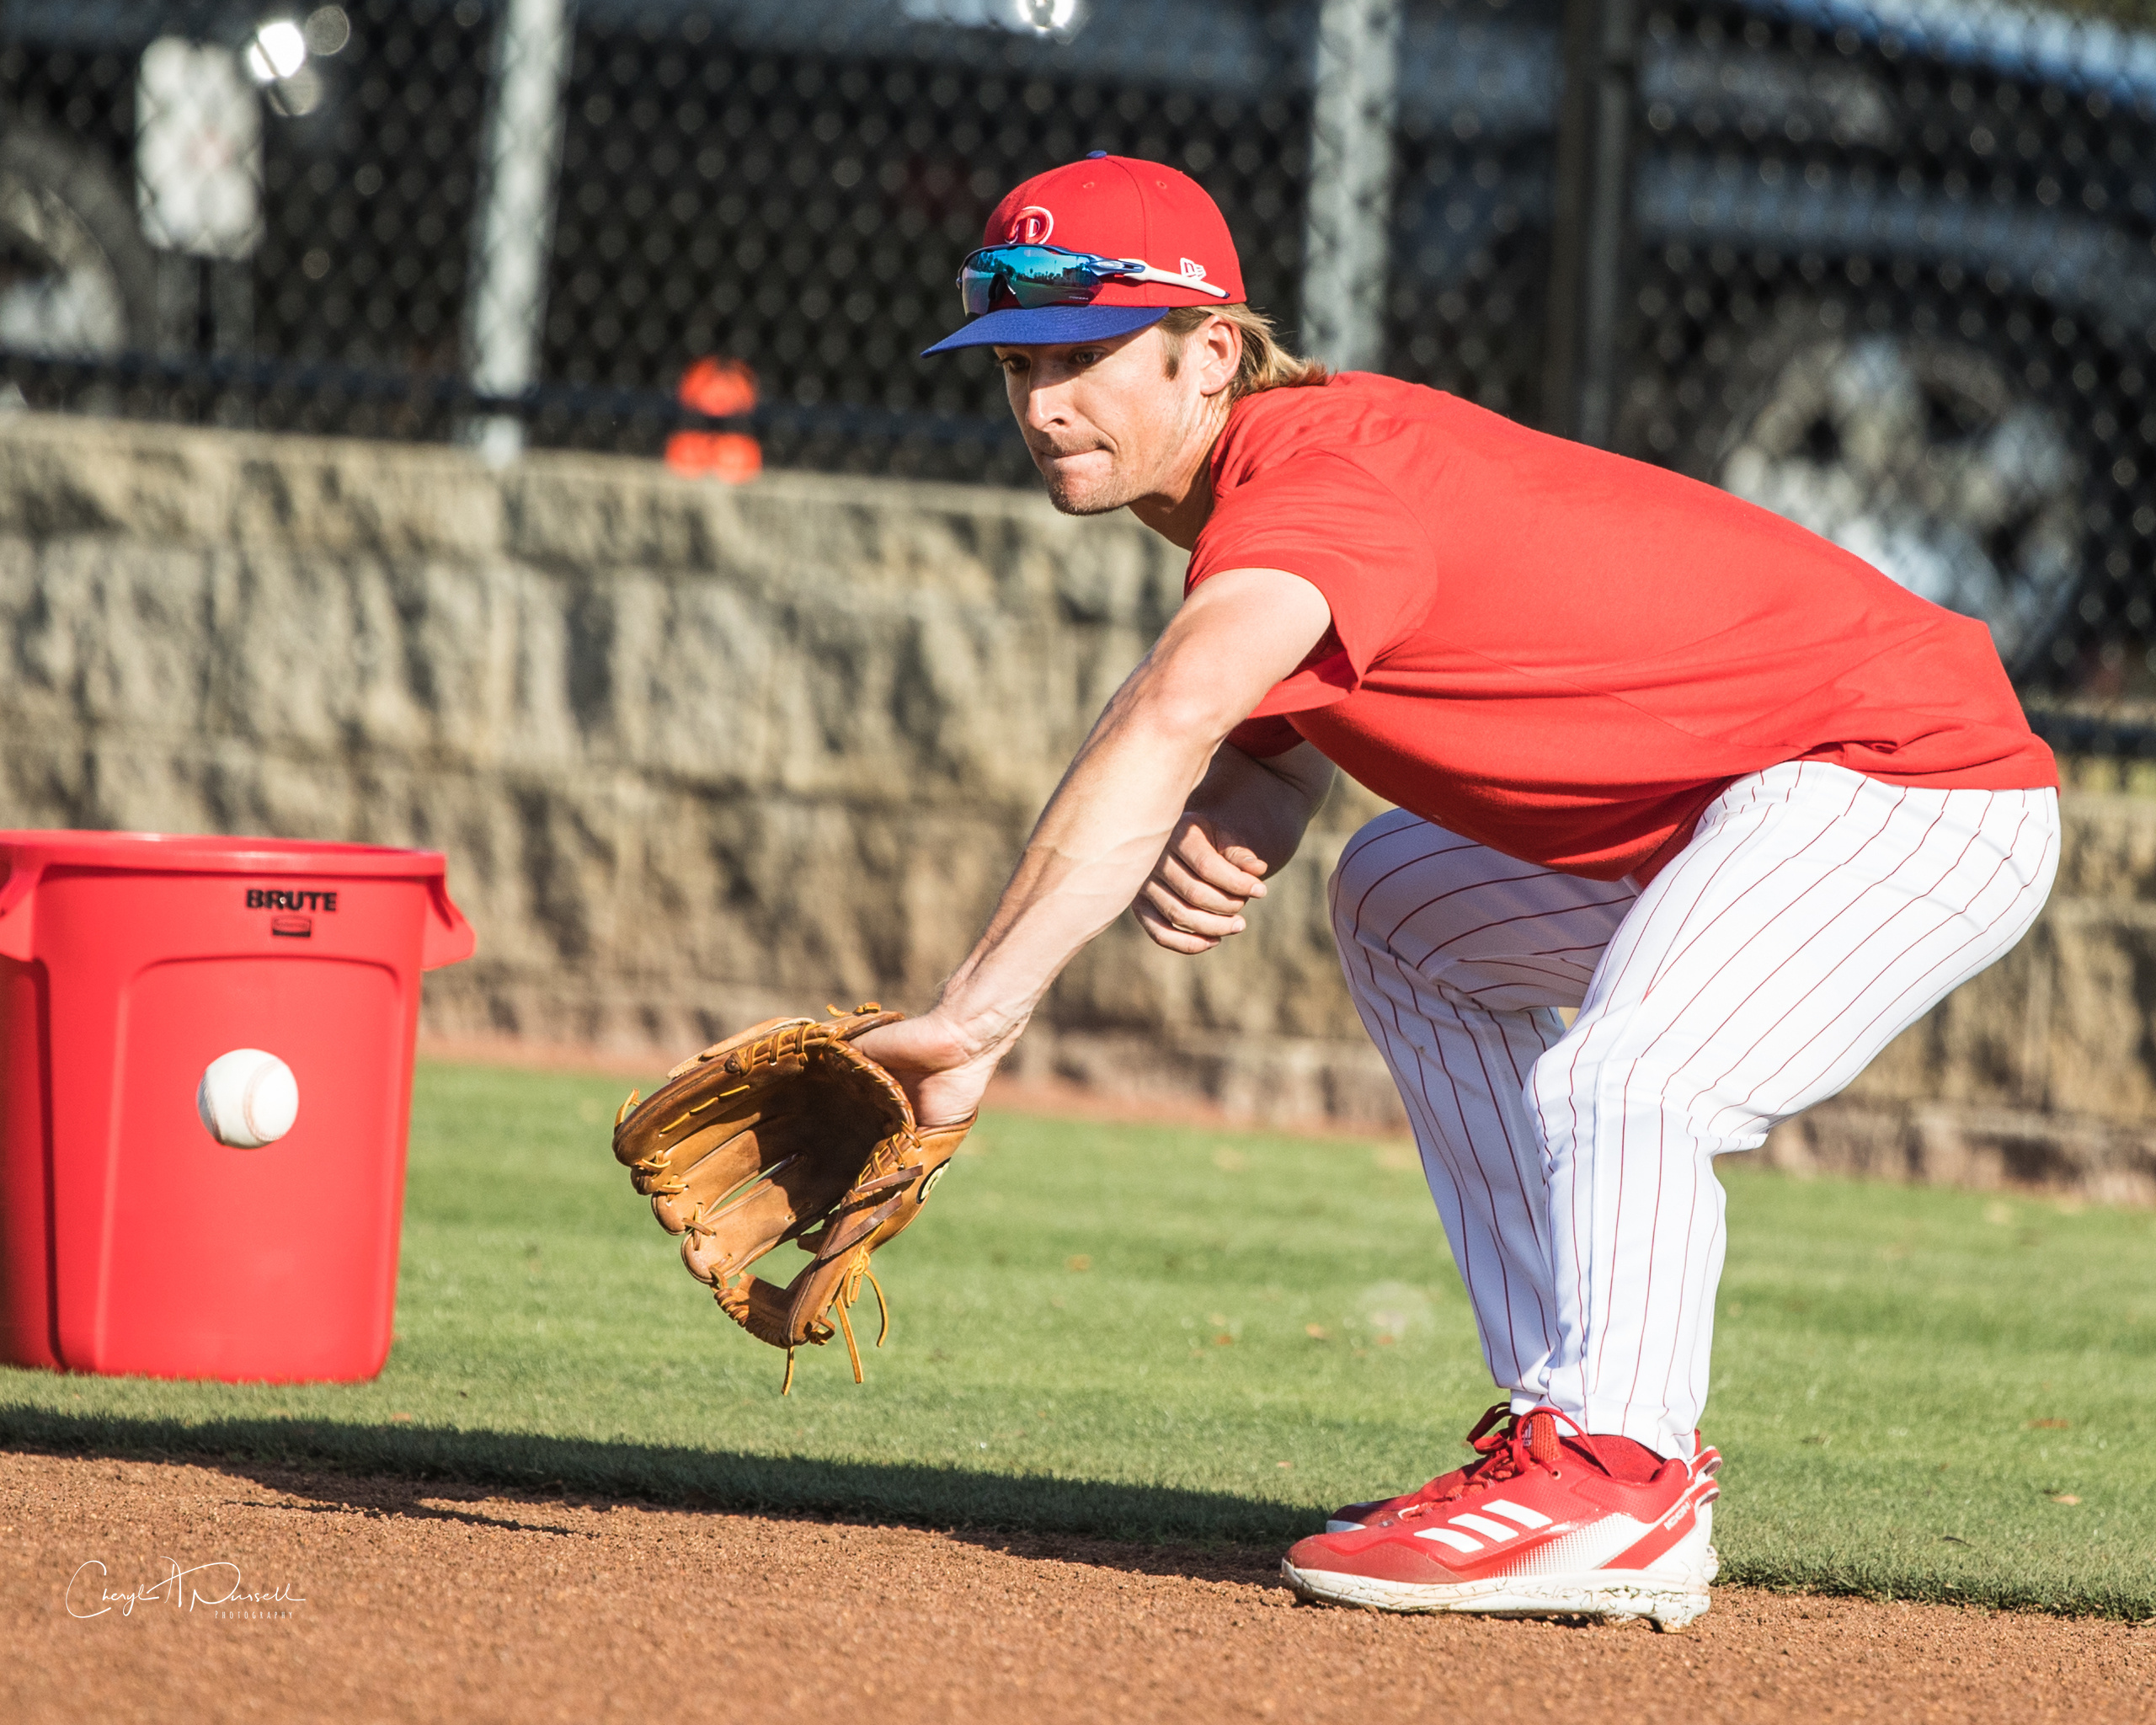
(1566, 655)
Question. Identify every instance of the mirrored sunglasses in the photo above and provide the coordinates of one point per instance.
(1035, 276)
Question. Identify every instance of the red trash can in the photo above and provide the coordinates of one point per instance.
(131, 1239)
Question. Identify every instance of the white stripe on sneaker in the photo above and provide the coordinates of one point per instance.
(1527, 1518)
(1487, 1527)
(1458, 1542)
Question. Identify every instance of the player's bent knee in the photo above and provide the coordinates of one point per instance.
(1365, 861)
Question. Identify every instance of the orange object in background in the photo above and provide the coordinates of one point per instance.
(716, 387)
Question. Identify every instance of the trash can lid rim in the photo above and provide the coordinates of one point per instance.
(217, 853)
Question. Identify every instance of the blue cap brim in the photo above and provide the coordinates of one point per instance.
(1013, 327)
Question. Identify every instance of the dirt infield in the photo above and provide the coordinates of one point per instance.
(364, 1600)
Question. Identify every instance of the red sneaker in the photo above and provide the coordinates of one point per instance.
(1535, 1528)
(1382, 1511)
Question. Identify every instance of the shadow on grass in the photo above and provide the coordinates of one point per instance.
(696, 1479)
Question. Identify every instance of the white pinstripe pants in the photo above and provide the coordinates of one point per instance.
(1814, 915)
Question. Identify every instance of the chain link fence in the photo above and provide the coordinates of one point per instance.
(1894, 278)
(1885, 266)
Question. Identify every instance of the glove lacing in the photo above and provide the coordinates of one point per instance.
(732, 1298)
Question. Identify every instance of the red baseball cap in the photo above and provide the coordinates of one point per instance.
(1110, 206)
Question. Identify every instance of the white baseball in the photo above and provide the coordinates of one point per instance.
(248, 1098)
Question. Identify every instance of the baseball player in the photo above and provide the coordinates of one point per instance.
(1658, 757)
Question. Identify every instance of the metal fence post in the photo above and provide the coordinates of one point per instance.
(1586, 260)
(1345, 250)
(508, 304)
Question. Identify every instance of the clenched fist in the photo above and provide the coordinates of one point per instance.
(1193, 899)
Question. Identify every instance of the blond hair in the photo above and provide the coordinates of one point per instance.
(1265, 365)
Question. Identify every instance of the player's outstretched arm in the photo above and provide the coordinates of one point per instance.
(1245, 820)
(1105, 828)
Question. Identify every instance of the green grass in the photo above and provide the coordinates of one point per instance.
(1882, 1358)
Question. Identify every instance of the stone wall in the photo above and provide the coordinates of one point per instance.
(699, 755)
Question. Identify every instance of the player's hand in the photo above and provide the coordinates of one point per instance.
(942, 1073)
(1194, 898)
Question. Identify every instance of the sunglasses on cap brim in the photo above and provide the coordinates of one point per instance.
(1035, 276)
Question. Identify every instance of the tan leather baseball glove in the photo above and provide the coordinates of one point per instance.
(785, 1132)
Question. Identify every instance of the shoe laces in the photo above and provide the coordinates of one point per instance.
(1510, 1444)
